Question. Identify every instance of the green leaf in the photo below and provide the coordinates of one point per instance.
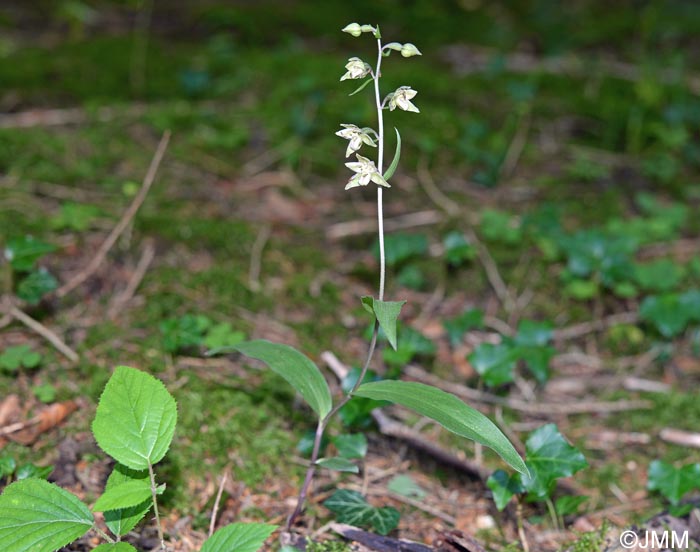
(184, 332)
(120, 522)
(135, 418)
(361, 87)
(665, 313)
(458, 326)
(494, 363)
(404, 485)
(19, 355)
(549, 457)
(337, 463)
(75, 216)
(537, 360)
(395, 161)
(222, 335)
(533, 334)
(36, 515)
(457, 249)
(412, 343)
(672, 482)
(504, 487)
(28, 471)
(387, 312)
(399, 248)
(351, 507)
(351, 445)
(37, 284)
(569, 505)
(499, 226)
(241, 537)
(7, 466)
(23, 253)
(446, 409)
(302, 374)
(658, 276)
(128, 494)
(115, 547)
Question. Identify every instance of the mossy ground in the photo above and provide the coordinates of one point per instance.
(251, 95)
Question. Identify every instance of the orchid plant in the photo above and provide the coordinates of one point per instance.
(301, 372)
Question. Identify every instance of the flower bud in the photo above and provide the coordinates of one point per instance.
(394, 46)
(354, 29)
(409, 50)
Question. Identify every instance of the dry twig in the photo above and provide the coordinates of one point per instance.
(44, 332)
(120, 301)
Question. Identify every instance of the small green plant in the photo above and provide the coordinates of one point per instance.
(306, 378)
(548, 457)
(134, 424)
(21, 274)
(19, 356)
(10, 471)
(674, 483)
(195, 331)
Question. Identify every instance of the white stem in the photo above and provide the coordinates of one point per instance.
(380, 163)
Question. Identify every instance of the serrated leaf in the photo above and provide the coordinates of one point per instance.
(120, 522)
(302, 374)
(405, 485)
(387, 312)
(337, 463)
(115, 547)
(361, 87)
(351, 507)
(549, 457)
(397, 156)
(494, 363)
(351, 445)
(36, 515)
(241, 537)
(135, 419)
(446, 409)
(128, 494)
(504, 487)
(673, 482)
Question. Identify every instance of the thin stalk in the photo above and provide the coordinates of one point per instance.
(323, 423)
(155, 505)
(104, 535)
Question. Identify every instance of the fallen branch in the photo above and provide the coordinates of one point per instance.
(120, 301)
(44, 332)
(256, 257)
(680, 437)
(117, 231)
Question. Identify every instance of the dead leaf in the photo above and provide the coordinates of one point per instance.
(48, 418)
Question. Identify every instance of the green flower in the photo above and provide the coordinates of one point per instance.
(366, 171)
(357, 137)
(356, 69)
(401, 98)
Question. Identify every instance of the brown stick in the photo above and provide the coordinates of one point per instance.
(680, 437)
(215, 509)
(117, 231)
(44, 332)
(120, 301)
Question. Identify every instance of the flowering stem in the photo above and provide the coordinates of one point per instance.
(380, 163)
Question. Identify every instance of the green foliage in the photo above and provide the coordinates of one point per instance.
(470, 319)
(411, 344)
(351, 445)
(338, 463)
(499, 226)
(122, 520)
(405, 485)
(135, 418)
(494, 363)
(10, 470)
(548, 457)
(673, 483)
(386, 313)
(46, 392)
(23, 253)
(658, 276)
(16, 356)
(127, 495)
(458, 250)
(38, 515)
(302, 374)
(397, 156)
(400, 248)
(447, 410)
(241, 537)
(671, 313)
(35, 285)
(192, 331)
(351, 507)
(75, 216)
(568, 505)
(115, 547)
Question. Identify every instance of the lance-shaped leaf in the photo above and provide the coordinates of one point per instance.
(36, 515)
(241, 537)
(361, 87)
(337, 463)
(135, 419)
(395, 161)
(386, 312)
(449, 411)
(115, 547)
(121, 521)
(296, 368)
(128, 494)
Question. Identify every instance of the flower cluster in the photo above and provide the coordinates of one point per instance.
(365, 170)
(357, 137)
(356, 69)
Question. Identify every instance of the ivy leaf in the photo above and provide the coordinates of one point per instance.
(337, 463)
(533, 334)
(665, 313)
(351, 445)
(404, 485)
(121, 521)
(504, 487)
(386, 312)
(38, 515)
(126, 495)
(446, 409)
(457, 249)
(549, 457)
(184, 332)
(494, 363)
(672, 482)
(658, 276)
(302, 374)
(34, 286)
(352, 508)
(135, 418)
(397, 156)
(458, 326)
(241, 537)
(115, 547)
(537, 361)
(23, 253)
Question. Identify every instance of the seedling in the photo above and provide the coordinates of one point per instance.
(21, 274)
(307, 379)
(134, 424)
